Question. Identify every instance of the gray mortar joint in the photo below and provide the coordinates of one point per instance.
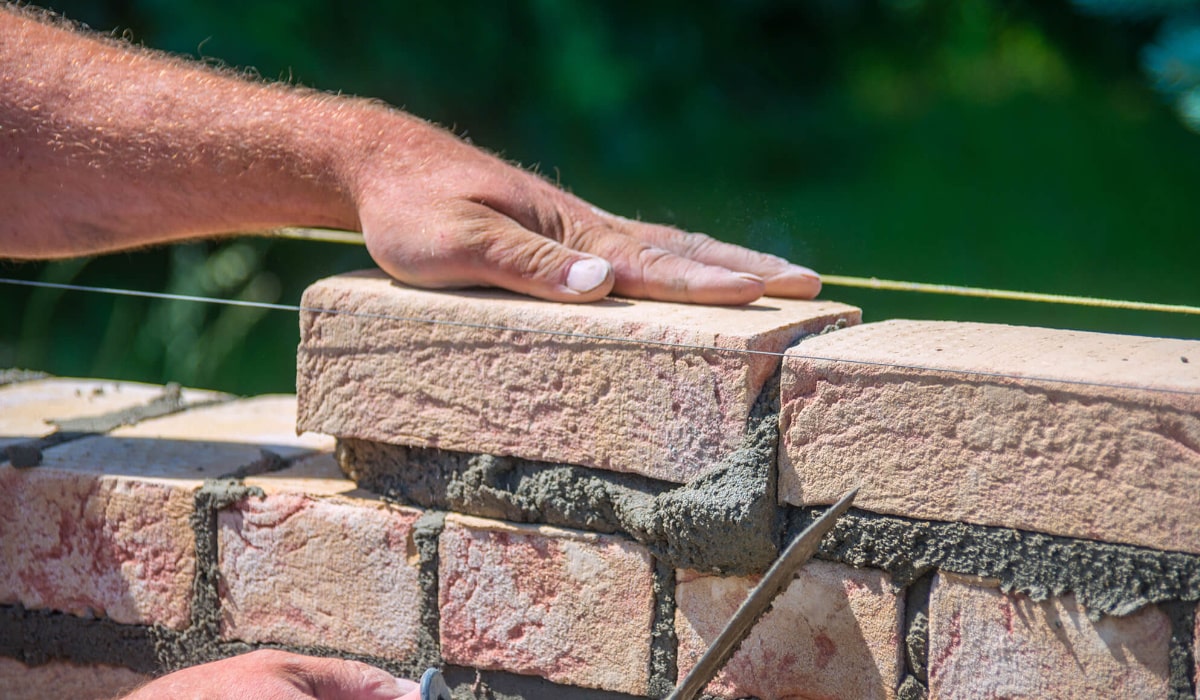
(27, 454)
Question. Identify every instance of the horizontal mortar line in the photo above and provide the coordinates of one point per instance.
(336, 236)
(577, 336)
(857, 518)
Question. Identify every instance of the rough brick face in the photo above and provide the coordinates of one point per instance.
(571, 607)
(987, 645)
(103, 527)
(835, 633)
(61, 679)
(335, 571)
(1097, 437)
(87, 545)
(666, 412)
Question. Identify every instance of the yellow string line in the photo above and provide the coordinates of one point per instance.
(319, 234)
(898, 286)
(330, 236)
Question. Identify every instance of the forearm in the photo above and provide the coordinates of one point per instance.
(103, 146)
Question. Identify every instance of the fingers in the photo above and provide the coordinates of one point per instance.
(339, 679)
(781, 278)
(478, 246)
(647, 272)
(468, 243)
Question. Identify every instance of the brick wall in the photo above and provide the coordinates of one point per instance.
(524, 498)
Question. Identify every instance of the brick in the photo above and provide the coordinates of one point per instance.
(660, 411)
(316, 475)
(27, 408)
(103, 527)
(1079, 434)
(62, 679)
(92, 545)
(303, 569)
(261, 423)
(984, 644)
(834, 633)
(571, 607)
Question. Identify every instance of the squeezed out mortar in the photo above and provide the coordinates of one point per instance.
(1106, 579)
(724, 521)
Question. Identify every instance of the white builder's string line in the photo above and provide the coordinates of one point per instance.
(331, 236)
(116, 291)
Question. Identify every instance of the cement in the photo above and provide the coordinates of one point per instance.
(916, 629)
(1182, 661)
(724, 521)
(170, 401)
(36, 637)
(426, 532)
(267, 462)
(29, 453)
(911, 689)
(664, 644)
(201, 640)
(1107, 579)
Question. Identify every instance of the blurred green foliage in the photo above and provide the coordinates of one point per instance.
(1018, 145)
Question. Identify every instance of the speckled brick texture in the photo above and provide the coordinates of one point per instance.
(987, 645)
(834, 633)
(666, 412)
(105, 546)
(102, 527)
(62, 679)
(1078, 434)
(571, 607)
(336, 571)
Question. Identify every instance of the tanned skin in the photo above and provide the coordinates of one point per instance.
(105, 146)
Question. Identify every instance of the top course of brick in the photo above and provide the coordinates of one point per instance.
(1069, 433)
(624, 402)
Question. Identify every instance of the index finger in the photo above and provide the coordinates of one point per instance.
(782, 278)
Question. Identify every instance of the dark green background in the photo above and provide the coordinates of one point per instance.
(999, 144)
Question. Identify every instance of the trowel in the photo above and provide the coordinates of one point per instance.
(774, 582)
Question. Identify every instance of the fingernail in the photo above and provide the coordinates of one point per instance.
(402, 689)
(803, 271)
(587, 274)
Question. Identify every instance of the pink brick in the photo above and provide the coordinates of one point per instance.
(27, 408)
(310, 570)
(62, 679)
(835, 633)
(571, 607)
(661, 411)
(1085, 434)
(103, 527)
(984, 644)
(89, 545)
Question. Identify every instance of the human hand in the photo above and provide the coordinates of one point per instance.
(269, 674)
(437, 212)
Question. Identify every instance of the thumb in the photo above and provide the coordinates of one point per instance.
(352, 680)
(508, 255)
